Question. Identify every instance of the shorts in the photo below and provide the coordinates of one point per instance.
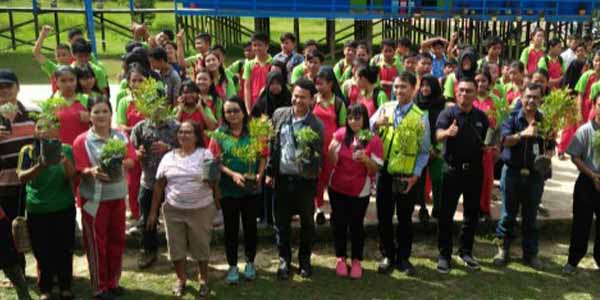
(189, 231)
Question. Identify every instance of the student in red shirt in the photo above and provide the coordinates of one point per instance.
(189, 109)
(354, 161)
(532, 54)
(485, 103)
(389, 68)
(255, 71)
(208, 97)
(74, 119)
(514, 88)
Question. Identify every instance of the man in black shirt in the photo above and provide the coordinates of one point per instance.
(462, 129)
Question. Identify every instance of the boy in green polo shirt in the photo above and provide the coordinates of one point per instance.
(202, 44)
(82, 51)
(62, 54)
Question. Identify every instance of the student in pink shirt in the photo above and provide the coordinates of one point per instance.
(485, 103)
(354, 160)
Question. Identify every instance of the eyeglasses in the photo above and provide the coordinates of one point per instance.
(233, 111)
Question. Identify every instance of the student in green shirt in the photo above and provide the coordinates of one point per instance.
(82, 51)
(345, 63)
(62, 55)
(50, 211)
(202, 43)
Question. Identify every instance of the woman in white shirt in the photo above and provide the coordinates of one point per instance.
(189, 205)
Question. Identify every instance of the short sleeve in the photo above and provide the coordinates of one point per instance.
(248, 69)
(68, 152)
(578, 145)
(191, 60)
(100, 75)
(214, 148)
(381, 98)
(162, 166)
(122, 111)
(542, 65)
(594, 90)
(449, 86)
(48, 67)
(582, 83)
(525, 56)
(340, 134)
(443, 120)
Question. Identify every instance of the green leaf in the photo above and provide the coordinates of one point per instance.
(48, 114)
(112, 148)
(560, 109)
(151, 102)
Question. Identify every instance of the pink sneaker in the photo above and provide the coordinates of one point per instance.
(341, 269)
(356, 271)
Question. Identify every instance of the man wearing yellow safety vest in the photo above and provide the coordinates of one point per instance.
(404, 131)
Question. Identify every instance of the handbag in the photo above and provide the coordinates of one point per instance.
(20, 231)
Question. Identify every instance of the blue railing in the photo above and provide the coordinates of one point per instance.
(551, 10)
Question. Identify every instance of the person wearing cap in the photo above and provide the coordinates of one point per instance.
(461, 128)
(16, 131)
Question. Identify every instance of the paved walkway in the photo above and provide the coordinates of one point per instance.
(557, 198)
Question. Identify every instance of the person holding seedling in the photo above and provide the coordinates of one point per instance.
(152, 137)
(404, 131)
(356, 154)
(293, 168)
(189, 108)
(48, 176)
(100, 155)
(241, 146)
(184, 180)
(74, 117)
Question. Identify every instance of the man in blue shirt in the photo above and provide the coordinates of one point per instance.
(288, 56)
(522, 183)
(387, 121)
(462, 129)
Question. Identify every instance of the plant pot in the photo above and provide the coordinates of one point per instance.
(250, 183)
(210, 170)
(113, 168)
(51, 151)
(491, 137)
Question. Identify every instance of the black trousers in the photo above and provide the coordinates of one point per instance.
(232, 209)
(295, 195)
(53, 239)
(348, 213)
(149, 236)
(403, 205)
(9, 201)
(456, 183)
(265, 205)
(586, 204)
(8, 254)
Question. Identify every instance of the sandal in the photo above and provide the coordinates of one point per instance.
(204, 291)
(179, 289)
(45, 297)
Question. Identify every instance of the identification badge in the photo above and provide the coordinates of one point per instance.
(536, 149)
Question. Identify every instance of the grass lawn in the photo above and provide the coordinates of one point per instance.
(22, 62)
(514, 282)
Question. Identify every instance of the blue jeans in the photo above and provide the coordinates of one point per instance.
(525, 192)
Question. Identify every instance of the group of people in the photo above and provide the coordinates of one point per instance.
(405, 126)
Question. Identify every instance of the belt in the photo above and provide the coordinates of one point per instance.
(466, 166)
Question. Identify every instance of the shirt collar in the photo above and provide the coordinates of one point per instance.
(404, 108)
(521, 114)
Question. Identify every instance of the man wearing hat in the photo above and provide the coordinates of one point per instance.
(16, 130)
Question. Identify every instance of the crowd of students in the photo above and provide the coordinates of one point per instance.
(406, 125)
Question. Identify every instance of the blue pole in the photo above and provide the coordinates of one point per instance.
(89, 18)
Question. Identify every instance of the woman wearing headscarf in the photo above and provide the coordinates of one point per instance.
(466, 67)
(430, 100)
(275, 95)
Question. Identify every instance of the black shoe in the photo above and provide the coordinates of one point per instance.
(423, 215)
(320, 218)
(406, 267)
(118, 291)
(305, 270)
(470, 262)
(147, 259)
(283, 271)
(443, 265)
(385, 266)
(534, 262)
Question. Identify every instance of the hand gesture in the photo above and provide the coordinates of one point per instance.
(45, 30)
(180, 34)
(159, 148)
(530, 131)
(453, 129)
(99, 175)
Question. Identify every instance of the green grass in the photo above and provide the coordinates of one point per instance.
(22, 62)
(514, 282)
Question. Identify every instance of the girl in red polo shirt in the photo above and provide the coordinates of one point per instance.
(553, 63)
(485, 102)
(222, 81)
(207, 94)
(331, 110)
(532, 54)
(354, 161)
(86, 81)
(514, 88)
(350, 89)
(74, 118)
(189, 109)
(371, 96)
